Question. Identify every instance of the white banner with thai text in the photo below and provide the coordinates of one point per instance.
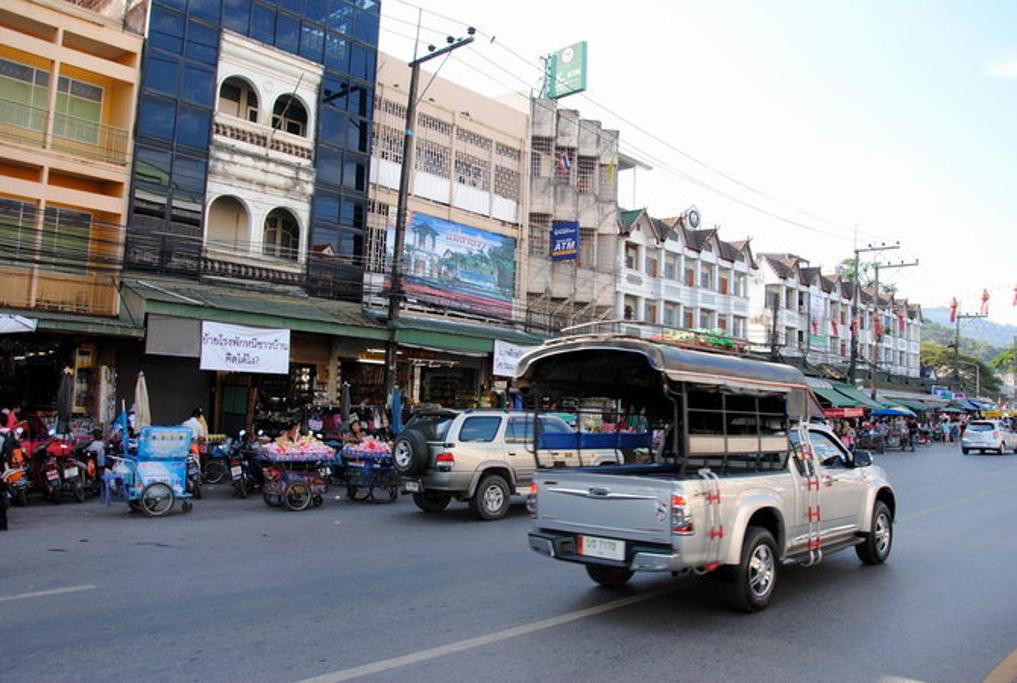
(506, 357)
(236, 348)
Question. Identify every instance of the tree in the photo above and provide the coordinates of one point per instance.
(868, 279)
(1006, 360)
(941, 359)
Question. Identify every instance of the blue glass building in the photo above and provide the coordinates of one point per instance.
(175, 122)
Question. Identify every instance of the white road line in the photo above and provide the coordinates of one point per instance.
(480, 641)
(544, 624)
(53, 591)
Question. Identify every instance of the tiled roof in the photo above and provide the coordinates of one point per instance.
(627, 217)
(779, 265)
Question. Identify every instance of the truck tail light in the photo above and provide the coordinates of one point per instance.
(444, 461)
(531, 500)
(681, 517)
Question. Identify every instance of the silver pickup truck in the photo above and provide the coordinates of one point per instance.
(731, 471)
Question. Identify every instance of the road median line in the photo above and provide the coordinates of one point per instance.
(488, 639)
(52, 591)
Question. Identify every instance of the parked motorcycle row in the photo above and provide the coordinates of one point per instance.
(53, 468)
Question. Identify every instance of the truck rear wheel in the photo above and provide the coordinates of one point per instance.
(755, 577)
(612, 577)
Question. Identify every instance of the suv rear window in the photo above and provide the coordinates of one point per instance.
(479, 428)
(981, 426)
(433, 427)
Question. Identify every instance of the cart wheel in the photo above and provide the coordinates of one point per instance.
(187, 506)
(317, 501)
(157, 499)
(298, 496)
(358, 492)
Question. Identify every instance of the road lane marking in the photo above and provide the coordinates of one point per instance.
(52, 591)
(544, 624)
(480, 641)
(1005, 671)
(955, 502)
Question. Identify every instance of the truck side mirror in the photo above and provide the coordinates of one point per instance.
(862, 459)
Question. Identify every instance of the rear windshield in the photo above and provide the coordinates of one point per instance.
(433, 427)
(981, 426)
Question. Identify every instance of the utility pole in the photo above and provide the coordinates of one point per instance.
(395, 292)
(956, 344)
(855, 295)
(875, 348)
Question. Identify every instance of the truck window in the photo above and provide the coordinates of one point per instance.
(828, 453)
(479, 429)
(520, 429)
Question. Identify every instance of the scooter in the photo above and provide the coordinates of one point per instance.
(243, 466)
(193, 476)
(14, 477)
(46, 460)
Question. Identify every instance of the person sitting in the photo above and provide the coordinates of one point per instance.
(291, 436)
(356, 434)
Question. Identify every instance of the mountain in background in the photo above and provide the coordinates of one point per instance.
(994, 334)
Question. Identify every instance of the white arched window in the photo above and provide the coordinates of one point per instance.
(227, 225)
(289, 115)
(238, 98)
(281, 237)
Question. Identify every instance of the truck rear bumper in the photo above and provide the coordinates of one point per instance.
(639, 557)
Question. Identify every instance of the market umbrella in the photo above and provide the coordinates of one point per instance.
(65, 401)
(893, 411)
(397, 410)
(142, 410)
(344, 404)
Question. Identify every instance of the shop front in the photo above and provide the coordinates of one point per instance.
(33, 360)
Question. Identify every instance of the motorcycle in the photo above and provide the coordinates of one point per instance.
(14, 475)
(243, 466)
(193, 476)
(47, 467)
(216, 464)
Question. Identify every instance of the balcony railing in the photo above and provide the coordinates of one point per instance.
(233, 128)
(26, 124)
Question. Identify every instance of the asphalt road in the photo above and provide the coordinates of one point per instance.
(238, 591)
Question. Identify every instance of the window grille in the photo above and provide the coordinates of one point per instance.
(472, 171)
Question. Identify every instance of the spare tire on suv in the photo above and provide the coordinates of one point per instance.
(411, 454)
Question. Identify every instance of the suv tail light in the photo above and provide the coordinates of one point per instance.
(681, 517)
(531, 500)
(444, 461)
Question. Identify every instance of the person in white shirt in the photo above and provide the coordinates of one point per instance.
(196, 423)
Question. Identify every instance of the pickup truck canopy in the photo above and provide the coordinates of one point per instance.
(598, 366)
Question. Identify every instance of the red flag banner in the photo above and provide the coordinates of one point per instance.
(953, 310)
(879, 326)
(1015, 295)
(900, 323)
(836, 331)
(985, 302)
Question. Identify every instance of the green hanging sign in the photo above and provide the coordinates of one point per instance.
(566, 71)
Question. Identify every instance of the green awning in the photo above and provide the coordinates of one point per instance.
(259, 309)
(909, 403)
(834, 398)
(858, 398)
(456, 336)
(56, 321)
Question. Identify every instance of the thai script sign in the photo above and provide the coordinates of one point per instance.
(236, 348)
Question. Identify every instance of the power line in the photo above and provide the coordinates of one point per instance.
(656, 138)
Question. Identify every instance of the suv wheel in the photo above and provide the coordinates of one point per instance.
(877, 545)
(410, 454)
(432, 502)
(756, 575)
(492, 497)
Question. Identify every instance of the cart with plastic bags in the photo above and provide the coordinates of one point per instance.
(369, 472)
(152, 475)
(296, 474)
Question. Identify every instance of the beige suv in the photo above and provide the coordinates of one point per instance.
(480, 456)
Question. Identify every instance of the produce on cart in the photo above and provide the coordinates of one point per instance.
(368, 470)
(296, 472)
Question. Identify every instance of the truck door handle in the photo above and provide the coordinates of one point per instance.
(829, 479)
(511, 452)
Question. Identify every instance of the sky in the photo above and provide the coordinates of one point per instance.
(895, 119)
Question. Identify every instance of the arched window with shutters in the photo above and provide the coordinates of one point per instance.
(281, 237)
(237, 97)
(289, 115)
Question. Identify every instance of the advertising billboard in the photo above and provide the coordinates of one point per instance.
(564, 240)
(458, 266)
(566, 71)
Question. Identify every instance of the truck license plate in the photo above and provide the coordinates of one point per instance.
(412, 486)
(604, 548)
